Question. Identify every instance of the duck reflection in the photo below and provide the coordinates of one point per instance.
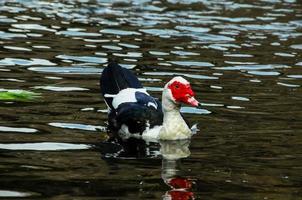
(172, 153)
(131, 148)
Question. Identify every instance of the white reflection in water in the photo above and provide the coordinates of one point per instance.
(193, 110)
(9, 193)
(32, 27)
(41, 47)
(185, 53)
(295, 76)
(196, 76)
(17, 48)
(238, 55)
(78, 33)
(6, 35)
(67, 70)
(88, 59)
(172, 153)
(296, 46)
(17, 129)
(264, 73)
(25, 62)
(216, 87)
(78, 126)
(60, 89)
(44, 146)
(192, 63)
(299, 64)
(284, 54)
(112, 47)
(288, 85)
(235, 107)
(240, 98)
(119, 32)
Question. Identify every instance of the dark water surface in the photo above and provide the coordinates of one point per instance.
(243, 59)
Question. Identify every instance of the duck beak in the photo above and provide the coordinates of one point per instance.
(193, 102)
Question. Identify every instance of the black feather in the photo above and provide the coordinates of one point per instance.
(146, 112)
(114, 79)
(136, 116)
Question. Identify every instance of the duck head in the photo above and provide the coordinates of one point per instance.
(178, 90)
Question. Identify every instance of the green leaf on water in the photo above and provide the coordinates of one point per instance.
(18, 95)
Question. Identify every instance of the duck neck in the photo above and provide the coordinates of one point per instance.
(171, 113)
(169, 106)
(174, 126)
(173, 119)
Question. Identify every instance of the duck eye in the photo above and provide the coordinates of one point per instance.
(176, 86)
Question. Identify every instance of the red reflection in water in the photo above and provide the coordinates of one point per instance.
(180, 189)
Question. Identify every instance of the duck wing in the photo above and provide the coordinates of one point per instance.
(114, 79)
(141, 115)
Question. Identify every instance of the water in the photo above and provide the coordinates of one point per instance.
(243, 59)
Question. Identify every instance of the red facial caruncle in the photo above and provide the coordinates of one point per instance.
(183, 93)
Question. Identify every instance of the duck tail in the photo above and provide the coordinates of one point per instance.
(115, 78)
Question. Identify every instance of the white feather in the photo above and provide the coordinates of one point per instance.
(126, 96)
(178, 79)
(125, 134)
(152, 104)
(151, 134)
(109, 95)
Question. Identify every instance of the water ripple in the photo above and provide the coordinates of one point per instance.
(88, 59)
(78, 33)
(7, 36)
(296, 46)
(25, 62)
(78, 126)
(158, 53)
(112, 47)
(195, 76)
(240, 98)
(185, 53)
(119, 32)
(295, 76)
(284, 54)
(60, 89)
(254, 67)
(238, 55)
(33, 27)
(17, 129)
(132, 46)
(9, 194)
(164, 33)
(193, 29)
(264, 73)
(208, 38)
(129, 55)
(192, 110)
(67, 70)
(17, 48)
(4, 19)
(288, 85)
(44, 146)
(192, 63)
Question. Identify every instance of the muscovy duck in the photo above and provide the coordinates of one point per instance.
(133, 113)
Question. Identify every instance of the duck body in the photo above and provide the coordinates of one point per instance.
(132, 119)
(133, 113)
(132, 110)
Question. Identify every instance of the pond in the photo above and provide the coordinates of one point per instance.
(243, 59)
